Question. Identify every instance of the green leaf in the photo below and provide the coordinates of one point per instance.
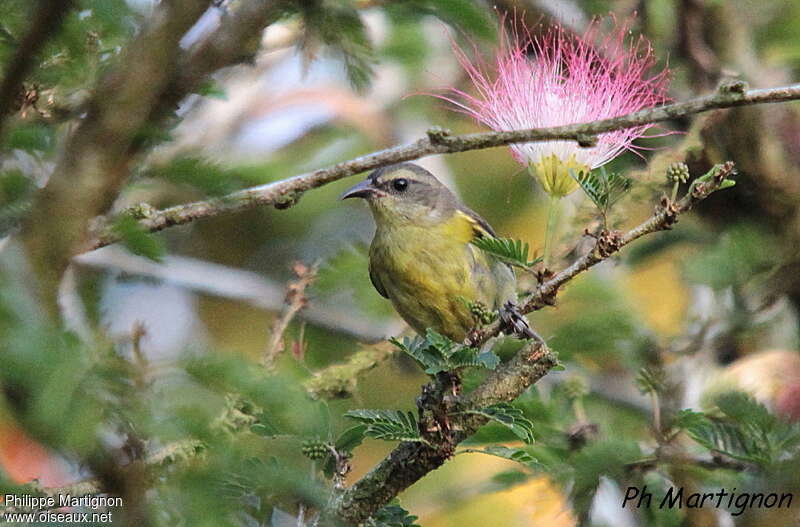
(602, 187)
(746, 431)
(16, 196)
(136, 239)
(392, 515)
(772, 435)
(204, 174)
(389, 425)
(687, 418)
(31, 137)
(507, 479)
(419, 349)
(708, 175)
(597, 459)
(340, 27)
(469, 16)
(725, 438)
(742, 408)
(514, 454)
(649, 381)
(436, 353)
(351, 438)
(510, 417)
(487, 359)
(513, 252)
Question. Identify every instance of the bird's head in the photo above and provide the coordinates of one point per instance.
(405, 193)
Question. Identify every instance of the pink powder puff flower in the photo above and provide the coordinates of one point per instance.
(558, 79)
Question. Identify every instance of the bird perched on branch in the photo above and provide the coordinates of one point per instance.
(421, 257)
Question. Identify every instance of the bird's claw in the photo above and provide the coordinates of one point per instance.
(515, 322)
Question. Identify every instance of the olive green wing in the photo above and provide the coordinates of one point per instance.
(503, 274)
(376, 282)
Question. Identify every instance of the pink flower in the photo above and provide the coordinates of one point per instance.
(559, 79)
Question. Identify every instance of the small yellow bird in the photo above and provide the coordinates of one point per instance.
(421, 257)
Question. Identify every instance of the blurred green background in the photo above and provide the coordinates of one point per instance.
(168, 350)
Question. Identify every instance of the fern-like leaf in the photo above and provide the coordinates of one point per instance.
(649, 381)
(725, 438)
(392, 515)
(746, 431)
(389, 425)
(437, 353)
(341, 28)
(510, 417)
(602, 187)
(514, 454)
(514, 252)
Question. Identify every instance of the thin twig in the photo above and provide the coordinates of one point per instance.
(287, 192)
(609, 243)
(295, 300)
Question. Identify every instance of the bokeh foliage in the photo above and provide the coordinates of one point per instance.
(249, 446)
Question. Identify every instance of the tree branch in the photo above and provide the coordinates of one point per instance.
(287, 192)
(609, 243)
(338, 381)
(97, 155)
(46, 20)
(295, 301)
(152, 76)
(409, 462)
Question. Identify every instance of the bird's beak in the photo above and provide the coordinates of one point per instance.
(362, 190)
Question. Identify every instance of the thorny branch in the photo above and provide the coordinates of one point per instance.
(409, 462)
(285, 193)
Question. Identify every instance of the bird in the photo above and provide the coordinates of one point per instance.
(421, 257)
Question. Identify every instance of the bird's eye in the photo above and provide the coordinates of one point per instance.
(400, 184)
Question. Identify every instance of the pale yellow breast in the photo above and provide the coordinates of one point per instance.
(429, 272)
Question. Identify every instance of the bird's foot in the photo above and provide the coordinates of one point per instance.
(515, 322)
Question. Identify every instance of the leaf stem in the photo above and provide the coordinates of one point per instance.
(552, 221)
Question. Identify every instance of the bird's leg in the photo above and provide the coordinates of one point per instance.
(515, 322)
